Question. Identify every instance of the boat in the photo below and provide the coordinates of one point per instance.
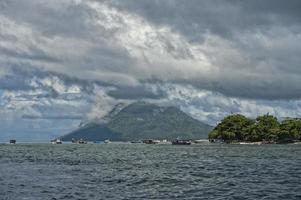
(81, 141)
(244, 143)
(200, 141)
(150, 141)
(56, 141)
(181, 142)
(216, 140)
(12, 141)
(107, 141)
(136, 142)
(164, 142)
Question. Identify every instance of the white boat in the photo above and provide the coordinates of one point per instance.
(107, 141)
(56, 141)
(164, 142)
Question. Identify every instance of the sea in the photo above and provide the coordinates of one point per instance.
(141, 171)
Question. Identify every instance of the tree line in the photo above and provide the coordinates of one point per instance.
(237, 127)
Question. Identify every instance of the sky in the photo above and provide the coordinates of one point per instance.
(63, 62)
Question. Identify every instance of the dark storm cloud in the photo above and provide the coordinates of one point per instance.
(22, 78)
(222, 17)
(264, 33)
(247, 49)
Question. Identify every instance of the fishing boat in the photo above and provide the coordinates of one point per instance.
(149, 141)
(81, 141)
(136, 142)
(181, 142)
(12, 141)
(56, 141)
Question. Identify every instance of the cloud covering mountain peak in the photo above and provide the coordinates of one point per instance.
(209, 58)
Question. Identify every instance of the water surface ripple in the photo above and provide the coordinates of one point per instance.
(137, 171)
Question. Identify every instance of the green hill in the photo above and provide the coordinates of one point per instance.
(143, 121)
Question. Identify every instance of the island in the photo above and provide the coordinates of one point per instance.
(265, 129)
(141, 121)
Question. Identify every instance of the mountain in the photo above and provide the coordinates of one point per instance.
(142, 121)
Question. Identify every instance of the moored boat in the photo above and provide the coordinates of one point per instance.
(150, 141)
(81, 141)
(136, 142)
(107, 141)
(56, 141)
(181, 142)
(200, 141)
(12, 141)
(164, 142)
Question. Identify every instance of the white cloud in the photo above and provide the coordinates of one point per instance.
(102, 104)
(211, 107)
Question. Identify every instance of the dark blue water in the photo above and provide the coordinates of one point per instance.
(137, 171)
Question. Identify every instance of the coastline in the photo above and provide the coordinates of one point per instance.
(255, 143)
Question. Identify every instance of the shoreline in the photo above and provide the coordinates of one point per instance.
(256, 143)
(194, 144)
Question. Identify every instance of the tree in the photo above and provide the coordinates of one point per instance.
(252, 133)
(290, 129)
(264, 128)
(267, 127)
(213, 135)
(232, 127)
